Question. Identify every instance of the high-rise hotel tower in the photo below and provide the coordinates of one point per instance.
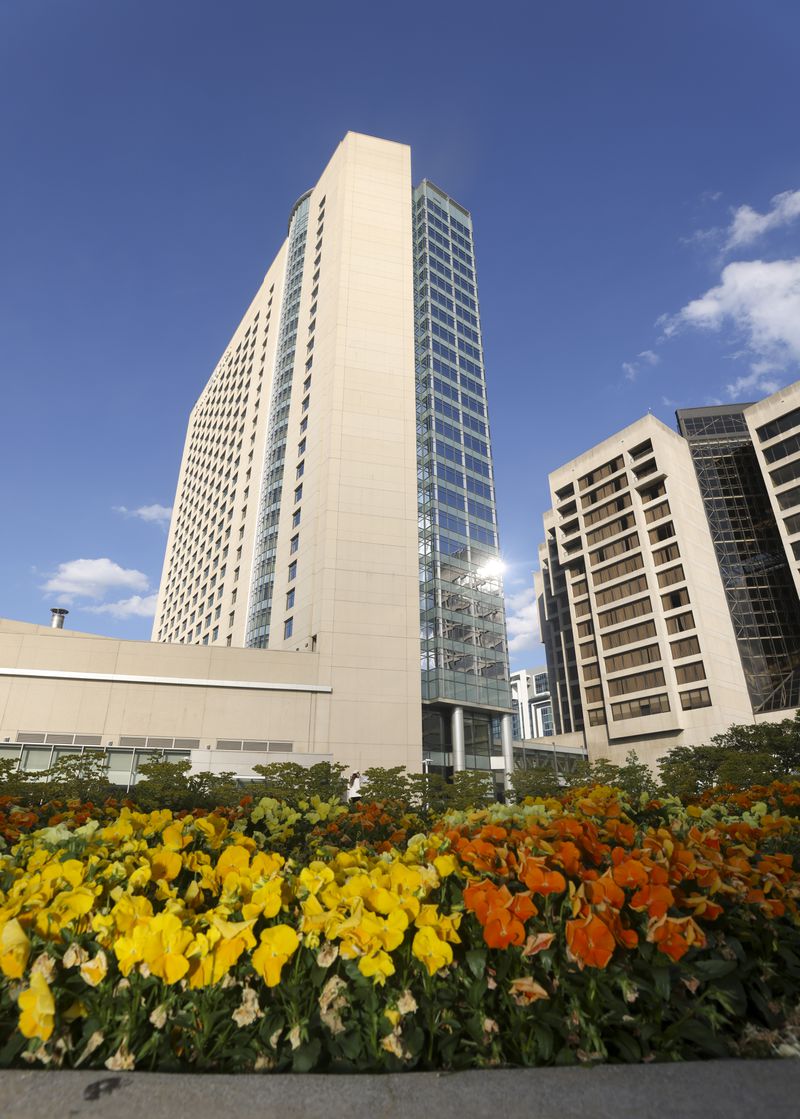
(336, 492)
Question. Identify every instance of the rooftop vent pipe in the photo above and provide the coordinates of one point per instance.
(57, 616)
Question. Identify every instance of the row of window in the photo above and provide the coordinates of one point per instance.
(208, 497)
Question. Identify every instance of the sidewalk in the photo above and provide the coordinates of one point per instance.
(699, 1090)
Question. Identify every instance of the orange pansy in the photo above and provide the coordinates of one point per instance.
(590, 941)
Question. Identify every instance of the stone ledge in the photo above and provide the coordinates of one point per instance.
(696, 1090)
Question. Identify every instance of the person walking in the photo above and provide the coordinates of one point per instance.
(354, 788)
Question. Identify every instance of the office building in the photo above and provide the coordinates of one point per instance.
(668, 589)
(335, 500)
(334, 534)
(533, 711)
(656, 663)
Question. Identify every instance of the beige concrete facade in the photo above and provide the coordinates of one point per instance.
(657, 660)
(774, 425)
(346, 557)
(108, 692)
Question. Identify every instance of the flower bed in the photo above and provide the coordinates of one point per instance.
(318, 938)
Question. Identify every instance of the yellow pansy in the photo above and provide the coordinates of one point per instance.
(153, 822)
(120, 829)
(38, 1009)
(15, 949)
(161, 943)
(376, 965)
(213, 829)
(445, 865)
(233, 858)
(173, 836)
(278, 944)
(265, 900)
(73, 871)
(129, 912)
(266, 863)
(66, 907)
(431, 950)
(165, 863)
(139, 878)
(314, 876)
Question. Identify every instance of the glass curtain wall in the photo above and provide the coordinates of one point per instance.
(758, 583)
(464, 654)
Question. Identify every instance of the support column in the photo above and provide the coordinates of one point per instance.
(507, 746)
(457, 737)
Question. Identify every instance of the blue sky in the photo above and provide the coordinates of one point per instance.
(633, 171)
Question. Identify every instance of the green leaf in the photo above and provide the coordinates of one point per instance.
(661, 979)
(476, 961)
(350, 1044)
(701, 1036)
(713, 969)
(306, 1057)
(627, 1045)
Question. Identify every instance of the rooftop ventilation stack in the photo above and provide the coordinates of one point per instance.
(57, 616)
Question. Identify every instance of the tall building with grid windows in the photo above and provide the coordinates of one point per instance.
(336, 493)
(656, 662)
(669, 589)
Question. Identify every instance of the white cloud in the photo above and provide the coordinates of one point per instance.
(757, 383)
(760, 301)
(152, 514)
(631, 369)
(134, 607)
(93, 578)
(748, 224)
(522, 621)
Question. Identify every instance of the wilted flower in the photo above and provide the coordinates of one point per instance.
(74, 955)
(94, 971)
(406, 1004)
(122, 1061)
(249, 1010)
(327, 954)
(526, 990)
(331, 1002)
(44, 965)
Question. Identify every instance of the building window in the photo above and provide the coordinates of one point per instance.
(301, 469)
(294, 544)
(288, 627)
(688, 673)
(298, 493)
(296, 518)
(639, 708)
(292, 570)
(698, 697)
(290, 599)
